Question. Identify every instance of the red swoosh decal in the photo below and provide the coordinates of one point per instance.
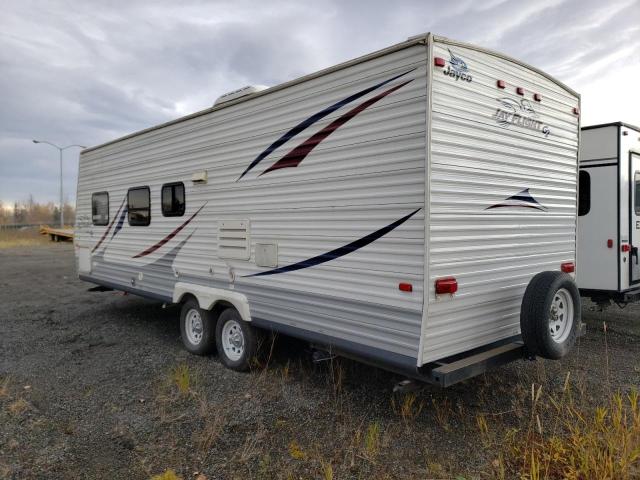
(155, 247)
(295, 156)
(110, 225)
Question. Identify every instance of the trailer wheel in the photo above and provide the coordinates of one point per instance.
(236, 340)
(197, 328)
(550, 315)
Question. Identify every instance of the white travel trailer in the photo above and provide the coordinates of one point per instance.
(609, 213)
(393, 209)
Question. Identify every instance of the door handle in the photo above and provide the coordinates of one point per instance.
(634, 253)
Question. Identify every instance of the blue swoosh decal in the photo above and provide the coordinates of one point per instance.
(524, 196)
(338, 252)
(120, 221)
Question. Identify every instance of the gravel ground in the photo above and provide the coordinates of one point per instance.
(97, 385)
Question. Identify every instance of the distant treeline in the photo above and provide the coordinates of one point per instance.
(32, 212)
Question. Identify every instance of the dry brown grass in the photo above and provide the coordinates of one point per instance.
(18, 406)
(214, 420)
(535, 432)
(27, 237)
(562, 437)
(182, 378)
(409, 408)
(4, 387)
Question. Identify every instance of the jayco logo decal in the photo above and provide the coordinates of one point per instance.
(457, 68)
(519, 113)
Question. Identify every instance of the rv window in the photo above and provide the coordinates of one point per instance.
(100, 208)
(636, 180)
(139, 206)
(584, 201)
(173, 199)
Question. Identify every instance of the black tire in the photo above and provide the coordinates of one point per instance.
(232, 355)
(545, 291)
(206, 343)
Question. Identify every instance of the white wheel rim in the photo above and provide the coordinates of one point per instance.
(561, 316)
(193, 326)
(232, 340)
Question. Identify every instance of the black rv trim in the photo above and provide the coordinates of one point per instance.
(618, 254)
(599, 165)
(377, 357)
(124, 288)
(631, 209)
(444, 372)
(612, 124)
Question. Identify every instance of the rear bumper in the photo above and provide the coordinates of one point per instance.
(466, 365)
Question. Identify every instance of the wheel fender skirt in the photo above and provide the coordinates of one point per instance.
(207, 297)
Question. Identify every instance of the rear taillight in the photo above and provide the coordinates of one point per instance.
(568, 267)
(446, 285)
(405, 287)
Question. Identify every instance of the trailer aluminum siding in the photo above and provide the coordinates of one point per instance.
(420, 156)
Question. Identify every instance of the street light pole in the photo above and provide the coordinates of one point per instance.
(61, 200)
(60, 149)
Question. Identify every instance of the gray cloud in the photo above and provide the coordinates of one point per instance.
(87, 72)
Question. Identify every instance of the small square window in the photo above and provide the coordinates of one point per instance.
(100, 208)
(139, 206)
(173, 201)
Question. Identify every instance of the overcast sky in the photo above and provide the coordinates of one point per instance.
(90, 71)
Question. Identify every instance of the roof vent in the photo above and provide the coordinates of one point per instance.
(241, 92)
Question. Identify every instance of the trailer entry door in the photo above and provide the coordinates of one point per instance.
(634, 214)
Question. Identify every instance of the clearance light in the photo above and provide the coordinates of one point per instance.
(625, 247)
(501, 84)
(405, 287)
(537, 97)
(520, 91)
(568, 267)
(576, 110)
(610, 243)
(439, 62)
(446, 285)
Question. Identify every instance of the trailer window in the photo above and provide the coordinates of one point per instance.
(173, 199)
(100, 208)
(584, 200)
(139, 206)
(636, 181)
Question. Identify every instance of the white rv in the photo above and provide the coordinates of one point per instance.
(393, 208)
(609, 213)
